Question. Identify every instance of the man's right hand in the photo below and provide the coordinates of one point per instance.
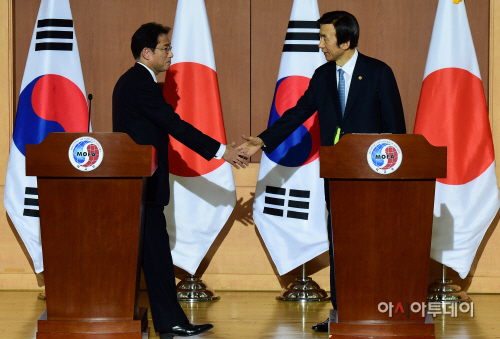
(251, 146)
(235, 156)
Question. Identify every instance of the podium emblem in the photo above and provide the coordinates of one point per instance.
(85, 154)
(384, 156)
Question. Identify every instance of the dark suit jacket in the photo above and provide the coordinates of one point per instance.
(140, 110)
(373, 89)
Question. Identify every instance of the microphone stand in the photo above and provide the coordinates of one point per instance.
(90, 97)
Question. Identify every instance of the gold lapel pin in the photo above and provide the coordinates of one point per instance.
(360, 78)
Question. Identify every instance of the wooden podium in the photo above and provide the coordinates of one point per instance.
(382, 227)
(91, 228)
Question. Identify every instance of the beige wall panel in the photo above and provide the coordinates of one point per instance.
(241, 252)
(269, 23)
(487, 274)
(494, 102)
(25, 13)
(246, 177)
(6, 94)
(13, 255)
(230, 23)
(16, 268)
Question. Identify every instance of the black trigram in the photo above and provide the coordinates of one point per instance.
(277, 196)
(30, 200)
(56, 33)
(302, 36)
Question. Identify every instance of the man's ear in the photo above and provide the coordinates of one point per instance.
(345, 46)
(145, 53)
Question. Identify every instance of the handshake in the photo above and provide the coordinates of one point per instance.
(240, 156)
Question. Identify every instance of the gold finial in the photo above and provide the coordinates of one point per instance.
(457, 1)
(360, 77)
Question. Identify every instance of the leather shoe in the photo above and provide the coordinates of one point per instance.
(185, 330)
(321, 327)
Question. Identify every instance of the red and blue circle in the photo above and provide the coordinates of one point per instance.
(49, 103)
(302, 146)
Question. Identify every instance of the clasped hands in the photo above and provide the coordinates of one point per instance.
(240, 156)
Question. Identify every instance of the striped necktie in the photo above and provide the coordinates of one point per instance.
(342, 90)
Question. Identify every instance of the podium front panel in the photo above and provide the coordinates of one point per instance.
(381, 247)
(90, 237)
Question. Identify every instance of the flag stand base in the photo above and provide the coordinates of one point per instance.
(193, 289)
(303, 289)
(443, 290)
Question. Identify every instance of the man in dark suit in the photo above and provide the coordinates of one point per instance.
(140, 110)
(352, 93)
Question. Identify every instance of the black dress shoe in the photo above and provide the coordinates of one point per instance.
(185, 330)
(321, 327)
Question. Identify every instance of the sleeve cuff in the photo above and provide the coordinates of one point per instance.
(220, 152)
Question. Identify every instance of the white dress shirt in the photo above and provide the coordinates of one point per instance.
(348, 69)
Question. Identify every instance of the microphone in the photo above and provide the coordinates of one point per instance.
(90, 97)
(379, 111)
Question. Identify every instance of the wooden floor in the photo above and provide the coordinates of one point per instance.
(255, 315)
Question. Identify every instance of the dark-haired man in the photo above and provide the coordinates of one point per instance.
(352, 93)
(140, 110)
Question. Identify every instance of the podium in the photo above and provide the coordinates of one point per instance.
(382, 227)
(91, 228)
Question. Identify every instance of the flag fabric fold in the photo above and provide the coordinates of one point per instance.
(52, 99)
(289, 209)
(203, 193)
(452, 112)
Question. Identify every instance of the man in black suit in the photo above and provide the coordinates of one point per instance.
(140, 110)
(352, 93)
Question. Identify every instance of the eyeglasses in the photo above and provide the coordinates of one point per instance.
(166, 49)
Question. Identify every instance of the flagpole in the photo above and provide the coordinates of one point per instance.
(444, 290)
(193, 289)
(303, 289)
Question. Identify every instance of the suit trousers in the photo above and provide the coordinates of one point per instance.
(333, 288)
(159, 273)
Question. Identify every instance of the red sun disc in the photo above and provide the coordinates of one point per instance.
(452, 112)
(193, 91)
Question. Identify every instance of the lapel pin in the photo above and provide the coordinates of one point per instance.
(360, 78)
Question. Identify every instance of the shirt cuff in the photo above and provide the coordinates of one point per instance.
(220, 152)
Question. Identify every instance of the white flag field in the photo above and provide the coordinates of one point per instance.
(52, 99)
(289, 209)
(452, 112)
(203, 193)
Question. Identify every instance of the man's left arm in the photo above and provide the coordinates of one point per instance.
(391, 107)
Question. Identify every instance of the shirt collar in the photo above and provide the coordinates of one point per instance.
(150, 71)
(349, 66)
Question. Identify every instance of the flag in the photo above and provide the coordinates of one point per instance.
(289, 209)
(52, 99)
(452, 112)
(203, 192)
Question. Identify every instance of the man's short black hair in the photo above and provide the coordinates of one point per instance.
(346, 26)
(147, 36)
